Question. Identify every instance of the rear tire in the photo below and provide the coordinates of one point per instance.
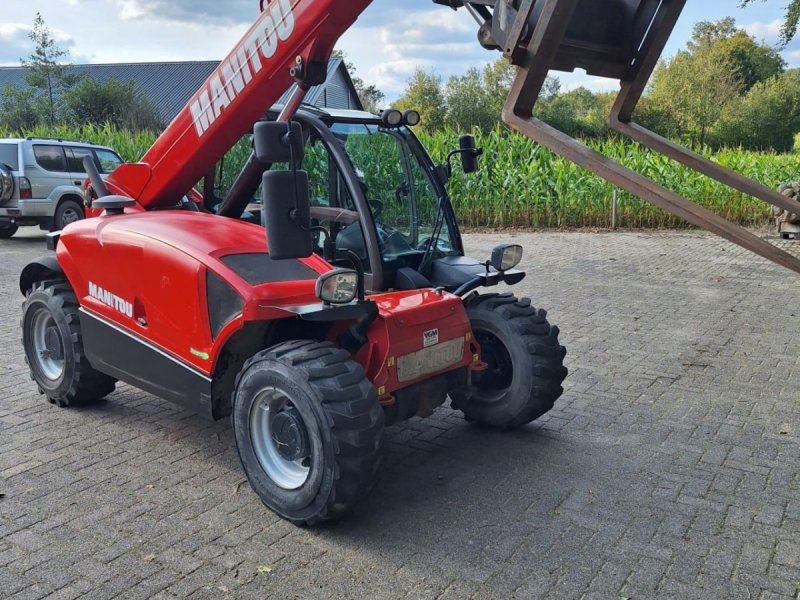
(51, 336)
(6, 231)
(526, 363)
(69, 211)
(308, 429)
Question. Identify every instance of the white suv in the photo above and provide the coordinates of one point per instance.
(41, 180)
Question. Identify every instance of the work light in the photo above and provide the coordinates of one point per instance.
(339, 286)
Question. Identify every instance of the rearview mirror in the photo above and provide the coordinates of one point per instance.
(286, 212)
(469, 153)
(469, 158)
(278, 142)
(506, 257)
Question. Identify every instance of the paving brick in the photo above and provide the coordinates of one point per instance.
(662, 472)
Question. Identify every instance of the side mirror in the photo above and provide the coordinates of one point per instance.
(285, 204)
(278, 142)
(469, 153)
(506, 257)
(469, 158)
(286, 214)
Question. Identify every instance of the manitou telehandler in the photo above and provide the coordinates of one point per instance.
(349, 304)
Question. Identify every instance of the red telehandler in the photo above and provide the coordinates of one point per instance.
(349, 304)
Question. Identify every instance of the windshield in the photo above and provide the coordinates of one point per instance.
(398, 187)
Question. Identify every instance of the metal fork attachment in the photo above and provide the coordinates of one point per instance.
(618, 39)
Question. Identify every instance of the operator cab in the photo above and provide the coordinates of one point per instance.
(388, 173)
(375, 192)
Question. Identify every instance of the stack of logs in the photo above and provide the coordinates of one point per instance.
(787, 222)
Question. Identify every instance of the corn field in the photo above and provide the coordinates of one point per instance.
(521, 184)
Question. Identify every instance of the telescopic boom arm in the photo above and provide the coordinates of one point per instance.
(291, 40)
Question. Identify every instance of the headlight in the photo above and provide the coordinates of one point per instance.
(338, 287)
(506, 256)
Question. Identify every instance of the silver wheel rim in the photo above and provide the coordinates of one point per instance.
(48, 347)
(287, 474)
(70, 216)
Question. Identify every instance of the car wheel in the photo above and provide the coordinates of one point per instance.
(7, 230)
(69, 211)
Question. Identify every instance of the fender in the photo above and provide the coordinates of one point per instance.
(44, 267)
(58, 193)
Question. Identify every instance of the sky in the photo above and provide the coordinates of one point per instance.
(390, 40)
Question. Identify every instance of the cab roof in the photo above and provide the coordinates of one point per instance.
(337, 114)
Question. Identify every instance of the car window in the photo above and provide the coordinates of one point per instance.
(108, 160)
(50, 158)
(75, 158)
(9, 156)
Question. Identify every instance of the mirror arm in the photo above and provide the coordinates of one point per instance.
(476, 152)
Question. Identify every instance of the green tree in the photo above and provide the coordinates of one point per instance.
(767, 117)
(112, 102)
(691, 91)
(653, 116)
(551, 87)
(577, 112)
(18, 109)
(423, 93)
(752, 62)
(476, 98)
(45, 72)
(498, 77)
(694, 89)
(468, 103)
(791, 19)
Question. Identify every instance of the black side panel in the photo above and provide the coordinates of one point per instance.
(256, 269)
(128, 358)
(223, 303)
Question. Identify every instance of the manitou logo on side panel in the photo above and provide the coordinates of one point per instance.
(109, 299)
(236, 72)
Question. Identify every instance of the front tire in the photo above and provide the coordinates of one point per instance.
(51, 336)
(308, 429)
(6, 231)
(525, 363)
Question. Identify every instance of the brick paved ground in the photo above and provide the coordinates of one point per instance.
(668, 469)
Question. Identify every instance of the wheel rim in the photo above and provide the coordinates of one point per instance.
(48, 346)
(500, 373)
(280, 439)
(70, 216)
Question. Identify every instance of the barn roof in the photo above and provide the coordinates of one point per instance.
(170, 85)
